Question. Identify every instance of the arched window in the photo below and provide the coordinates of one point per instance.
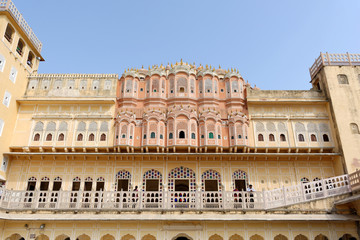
(103, 137)
(193, 136)
(57, 184)
(20, 47)
(170, 135)
(100, 184)
(61, 137)
(123, 179)
(44, 184)
(211, 135)
(144, 136)
(354, 128)
(152, 181)
(219, 136)
(9, 33)
(124, 136)
(76, 184)
(239, 136)
(31, 184)
(282, 138)
(271, 138)
(181, 134)
(313, 138)
(301, 138)
(326, 138)
(260, 138)
(79, 137)
(161, 136)
(30, 60)
(91, 137)
(211, 180)
(49, 137)
(181, 90)
(88, 184)
(152, 135)
(37, 137)
(181, 179)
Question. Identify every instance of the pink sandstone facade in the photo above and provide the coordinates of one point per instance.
(181, 107)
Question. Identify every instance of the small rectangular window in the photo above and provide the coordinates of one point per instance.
(1, 126)
(13, 74)
(7, 98)
(4, 164)
(2, 63)
(342, 79)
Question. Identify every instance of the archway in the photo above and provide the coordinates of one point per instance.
(83, 237)
(280, 237)
(300, 237)
(15, 236)
(128, 237)
(62, 237)
(182, 236)
(236, 237)
(148, 237)
(321, 237)
(42, 237)
(216, 237)
(347, 237)
(256, 237)
(107, 237)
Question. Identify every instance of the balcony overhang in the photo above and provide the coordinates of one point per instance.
(170, 216)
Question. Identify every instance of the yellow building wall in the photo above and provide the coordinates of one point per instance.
(70, 113)
(345, 100)
(15, 88)
(195, 230)
(263, 173)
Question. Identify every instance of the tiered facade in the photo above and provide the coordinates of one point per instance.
(170, 152)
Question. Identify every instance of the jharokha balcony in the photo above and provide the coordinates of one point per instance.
(14, 200)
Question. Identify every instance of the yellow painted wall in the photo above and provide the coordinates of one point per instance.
(17, 88)
(195, 230)
(264, 173)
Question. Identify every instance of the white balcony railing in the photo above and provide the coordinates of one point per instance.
(8, 5)
(334, 59)
(170, 200)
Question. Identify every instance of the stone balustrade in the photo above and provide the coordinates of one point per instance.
(173, 200)
(8, 5)
(334, 59)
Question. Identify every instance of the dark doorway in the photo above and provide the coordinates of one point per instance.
(240, 184)
(56, 186)
(75, 186)
(182, 238)
(181, 134)
(44, 186)
(182, 185)
(100, 186)
(88, 186)
(123, 184)
(31, 186)
(211, 185)
(152, 185)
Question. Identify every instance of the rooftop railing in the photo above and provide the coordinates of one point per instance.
(173, 200)
(8, 5)
(334, 59)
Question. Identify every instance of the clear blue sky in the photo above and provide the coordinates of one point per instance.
(272, 43)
